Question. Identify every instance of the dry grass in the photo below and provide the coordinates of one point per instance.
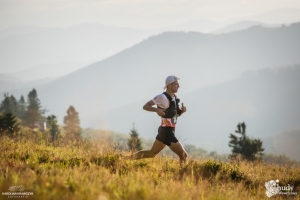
(94, 170)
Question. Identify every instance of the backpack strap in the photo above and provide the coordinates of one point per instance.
(179, 111)
(168, 96)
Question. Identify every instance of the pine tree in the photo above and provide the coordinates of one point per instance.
(246, 147)
(134, 142)
(21, 109)
(9, 104)
(34, 111)
(53, 127)
(72, 124)
(8, 124)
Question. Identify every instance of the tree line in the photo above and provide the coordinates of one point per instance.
(15, 114)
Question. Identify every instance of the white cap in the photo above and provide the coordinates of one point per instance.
(170, 79)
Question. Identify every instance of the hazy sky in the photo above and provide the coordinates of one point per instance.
(140, 14)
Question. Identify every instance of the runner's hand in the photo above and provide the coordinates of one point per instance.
(183, 108)
(160, 112)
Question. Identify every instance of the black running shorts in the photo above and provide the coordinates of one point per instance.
(166, 135)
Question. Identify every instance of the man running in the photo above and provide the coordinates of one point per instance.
(168, 109)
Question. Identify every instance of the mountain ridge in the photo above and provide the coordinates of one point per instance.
(138, 72)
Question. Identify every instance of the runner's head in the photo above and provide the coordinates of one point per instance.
(172, 83)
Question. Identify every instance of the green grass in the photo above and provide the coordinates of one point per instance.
(95, 170)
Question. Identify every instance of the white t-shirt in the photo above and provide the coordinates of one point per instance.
(162, 101)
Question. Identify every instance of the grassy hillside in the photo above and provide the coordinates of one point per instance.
(95, 170)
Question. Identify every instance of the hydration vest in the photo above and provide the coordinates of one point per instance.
(171, 113)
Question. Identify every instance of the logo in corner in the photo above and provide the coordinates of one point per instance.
(272, 187)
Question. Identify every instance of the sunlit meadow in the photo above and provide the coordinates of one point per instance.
(94, 169)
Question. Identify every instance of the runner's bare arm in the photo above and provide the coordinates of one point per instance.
(148, 107)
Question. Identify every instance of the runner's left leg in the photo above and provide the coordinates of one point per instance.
(156, 148)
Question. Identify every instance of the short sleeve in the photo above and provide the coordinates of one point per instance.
(161, 100)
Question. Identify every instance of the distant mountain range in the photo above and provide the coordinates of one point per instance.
(199, 59)
(20, 30)
(242, 26)
(202, 26)
(88, 43)
(40, 51)
(8, 84)
(77, 46)
(47, 71)
(267, 100)
(278, 16)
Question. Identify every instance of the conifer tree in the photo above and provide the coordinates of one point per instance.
(8, 124)
(21, 109)
(34, 111)
(246, 147)
(53, 127)
(72, 124)
(134, 142)
(9, 104)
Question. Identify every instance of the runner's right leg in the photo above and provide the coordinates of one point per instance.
(156, 148)
(179, 150)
